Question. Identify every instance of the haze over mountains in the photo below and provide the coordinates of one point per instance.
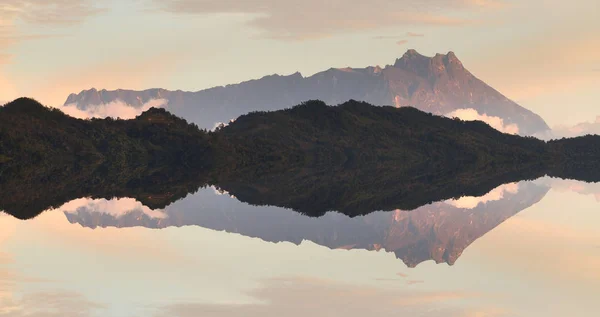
(439, 84)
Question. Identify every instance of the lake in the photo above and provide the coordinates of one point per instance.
(529, 248)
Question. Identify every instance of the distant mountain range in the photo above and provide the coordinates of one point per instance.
(439, 85)
(440, 231)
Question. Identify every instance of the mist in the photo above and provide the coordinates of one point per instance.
(470, 114)
(117, 207)
(496, 194)
(115, 109)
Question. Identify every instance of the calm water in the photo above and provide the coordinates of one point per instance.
(524, 249)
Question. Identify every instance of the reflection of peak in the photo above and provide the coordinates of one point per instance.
(438, 232)
(441, 232)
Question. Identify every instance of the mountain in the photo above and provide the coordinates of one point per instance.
(440, 231)
(439, 85)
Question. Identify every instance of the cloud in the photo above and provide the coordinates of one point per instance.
(48, 12)
(295, 297)
(280, 19)
(15, 14)
(402, 42)
(387, 37)
(117, 207)
(415, 282)
(579, 187)
(411, 34)
(222, 124)
(47, 304)
(396, 37)
(115, 109)
(495, 122)
(580, 129)
(498, 193)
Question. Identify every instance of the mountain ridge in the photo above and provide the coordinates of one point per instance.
(438, 84)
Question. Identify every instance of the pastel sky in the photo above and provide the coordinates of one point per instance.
(544, 54)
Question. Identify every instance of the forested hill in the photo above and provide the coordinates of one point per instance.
(356, 132)
(310, 133)
(313, 158)
(33, 134)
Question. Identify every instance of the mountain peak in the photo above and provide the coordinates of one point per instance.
(411, 52)
(452, 59)
(413, 55)
(414, 62)
(429, 67)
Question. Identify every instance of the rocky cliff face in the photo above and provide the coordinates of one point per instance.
(439, 232)
(438, 84)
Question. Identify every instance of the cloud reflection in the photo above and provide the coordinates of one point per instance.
(47, 304)
(498, 193)
(302, 297)
(117, 207)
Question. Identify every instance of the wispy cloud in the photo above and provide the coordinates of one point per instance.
(16, 13)
(411, 34)
(47, 304)
(402, 42)
(280, 19)
(48, 12)
(387, 37)
(280, 297)
(398, 37)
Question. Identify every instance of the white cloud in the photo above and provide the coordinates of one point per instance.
(117, 207)
(563, 185)
(495, 122)
(498, 193)
(217, 124)
(115, 109)
(577, 130)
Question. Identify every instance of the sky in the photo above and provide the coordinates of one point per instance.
(544, 54)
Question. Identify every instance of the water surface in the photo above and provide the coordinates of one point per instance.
(524, 249)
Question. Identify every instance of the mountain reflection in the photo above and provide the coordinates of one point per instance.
(440, 231)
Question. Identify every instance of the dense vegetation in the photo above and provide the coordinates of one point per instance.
(354, 158)
(33, 134)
